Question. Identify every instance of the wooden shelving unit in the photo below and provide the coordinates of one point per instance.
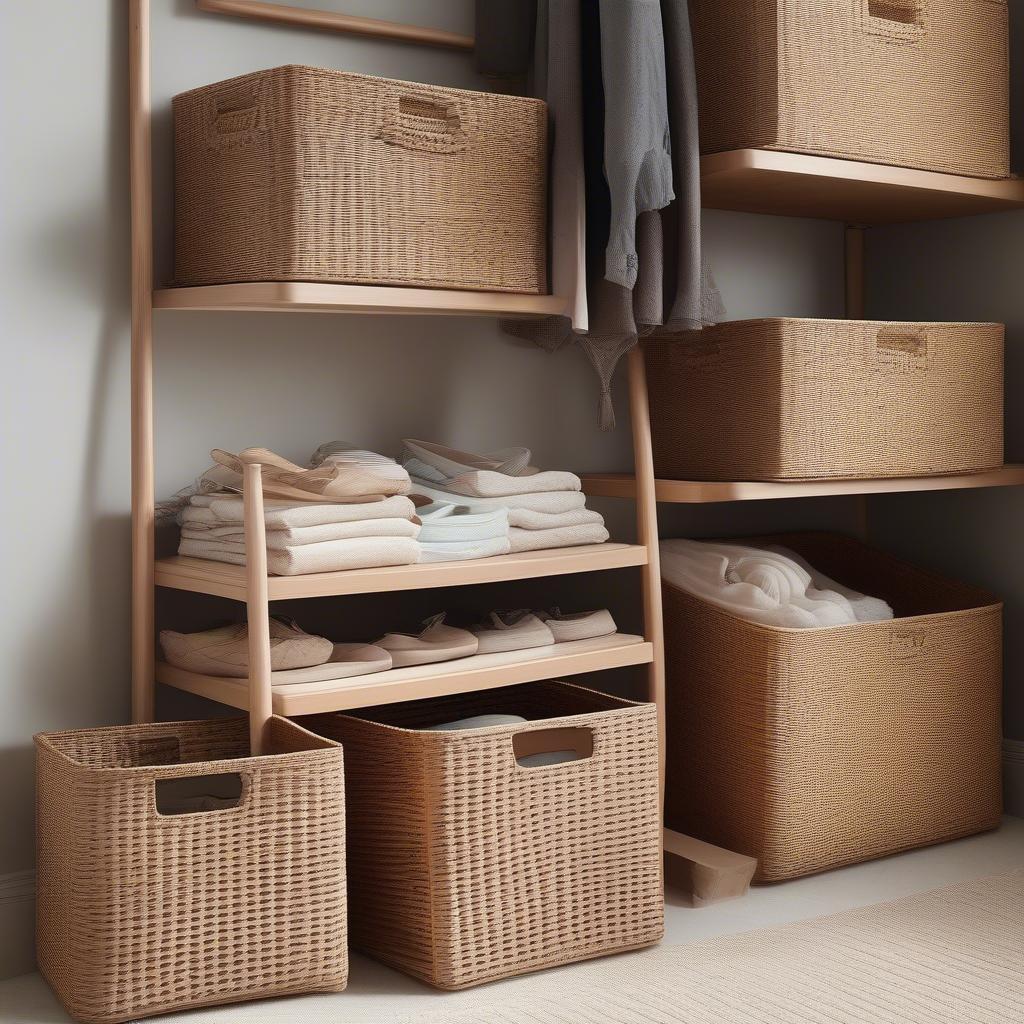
(702, 492)
(755, 181)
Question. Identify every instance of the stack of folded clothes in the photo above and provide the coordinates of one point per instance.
(349, 511)
(545, 509)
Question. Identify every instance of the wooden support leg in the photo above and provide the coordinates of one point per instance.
(143, 503)
(647, 534)
(257, 609)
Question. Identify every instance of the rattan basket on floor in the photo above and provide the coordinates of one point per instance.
(915, 83)
(788, 399)
(144, 907)
(465, 866)
(813, 748)
(306, 174)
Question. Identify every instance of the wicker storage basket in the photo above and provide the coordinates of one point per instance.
(141, 912)
(789, 399)
(304, 174)
(813, 748)
(915, 83)
(465, 867)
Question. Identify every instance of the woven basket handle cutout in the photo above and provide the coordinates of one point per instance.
(578, 739)
(423, 122)
(234, 111)
(899, 20)
(902, 347)
(194, 792)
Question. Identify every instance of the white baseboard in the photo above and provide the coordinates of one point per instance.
(17, 923)
(1013, 777)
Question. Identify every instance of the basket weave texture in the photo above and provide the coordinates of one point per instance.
(814, 748)
(788, 399)
(305, 174)
(465, 867)
(140, 912)
(913, 83)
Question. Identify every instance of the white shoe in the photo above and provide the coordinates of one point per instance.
(512, 631)
(436, 642)
(578, 625)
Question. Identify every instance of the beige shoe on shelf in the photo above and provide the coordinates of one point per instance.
(578, 625)
(512, 631)
(435, 642)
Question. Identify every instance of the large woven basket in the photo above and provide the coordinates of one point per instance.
(813, 748)
(786, 399)
(151, 900)
(305, 174)
(465, 866)
(915, 83)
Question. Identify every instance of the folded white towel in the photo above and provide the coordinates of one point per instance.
(296, 536)
(565, 537)
(219, 509)
(542, 501)
(485, 483)
(450, 524)
(329, 556)
(462, 550)
(762, 586)
(525, 519)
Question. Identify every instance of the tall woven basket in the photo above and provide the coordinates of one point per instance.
(151, 901)
(814, 748)
(915, 83)
(465, 866)
(788, 399)
(306, 174)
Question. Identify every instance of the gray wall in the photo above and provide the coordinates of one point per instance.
(288, 381)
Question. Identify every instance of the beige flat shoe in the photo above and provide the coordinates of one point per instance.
(225, 651)
(346, 660)
(436, 642)
(512, 631)
(578, 625)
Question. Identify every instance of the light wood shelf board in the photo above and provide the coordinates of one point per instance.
(310, 296)
(695, 492)
(202, 576)
(795, 185)
(464, 675)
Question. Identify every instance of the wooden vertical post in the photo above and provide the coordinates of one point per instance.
(647, 534)
(257, 608)
(142, 500)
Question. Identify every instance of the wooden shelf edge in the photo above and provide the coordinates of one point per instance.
(797, 184)
(311, 296)
(464, 675)
(223, 580)
(694, 492)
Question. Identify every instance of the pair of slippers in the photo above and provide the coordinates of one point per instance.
(299, 657)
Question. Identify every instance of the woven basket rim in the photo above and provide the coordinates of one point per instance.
(961, 324)
(524, 101)
(624, 705)
(46, 740)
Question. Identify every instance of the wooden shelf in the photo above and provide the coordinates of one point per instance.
(481, 672)
(696, 492)
(794, 185)
(293, 296)
(206, 577)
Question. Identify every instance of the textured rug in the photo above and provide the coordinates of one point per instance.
(953, 956)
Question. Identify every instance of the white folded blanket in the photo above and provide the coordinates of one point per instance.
(565, 537)
(541, 501)
(219, 509)
(329, 556)
(298, 535)
(451, 524)
(765, 586)
(526, 519)
(460, 551)
(486, 483)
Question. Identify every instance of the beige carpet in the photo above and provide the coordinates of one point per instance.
(953, 956)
